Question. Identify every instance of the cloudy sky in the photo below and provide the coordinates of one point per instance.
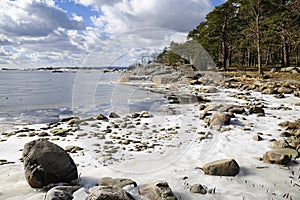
(43, 33)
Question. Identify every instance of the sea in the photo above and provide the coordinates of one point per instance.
(32, 97)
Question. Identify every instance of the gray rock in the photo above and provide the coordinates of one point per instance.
(61, 193)
(109, 193)
(157, 191)
(198, 188)
(117, 182)
(277, 156)
(46, 163)
(225, 167)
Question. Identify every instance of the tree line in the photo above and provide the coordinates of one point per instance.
(255, 33)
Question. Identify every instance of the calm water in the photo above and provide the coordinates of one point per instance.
(44, 96)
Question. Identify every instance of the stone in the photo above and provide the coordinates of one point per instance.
(113, 115)
(279, 144)
(46, 163)
(285, 90)
(277, 156)
(109, 193)
(102, 117)
(74, 121)
(73, 149)
(225, 167)
(268, 91)
(257, 138)
(198, 188)
(157, 191)
(61, 193)
(218, 120)
(117, 182)
(59, 132)
(256, 110)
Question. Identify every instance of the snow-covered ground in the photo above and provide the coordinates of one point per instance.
(171, 150)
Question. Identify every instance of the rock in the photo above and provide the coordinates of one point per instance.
(68, 119)
(102, 117)
(113, 115)
(268, 91)
(73, 149)
(277, 156)
(225, 167)
(74, 121)
(279, 144)
(237, 110)
(157, 191)
(117, 182)
(256, 110)
(59, 131)
(198, 188)
(46, 163)
(61, 193)
(218, 120)
(257, 138)
(166, 78)
(109, 193)
(285, 90)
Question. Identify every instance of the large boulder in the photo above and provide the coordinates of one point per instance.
(109, 193)
(46, 163)
(157, 191)
(225, 167)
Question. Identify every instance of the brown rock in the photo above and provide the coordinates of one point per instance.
(198, 188)
(277, 157)
(117, 182)
(157, 191)
(109, 193)
(218, 120)
(226, 167)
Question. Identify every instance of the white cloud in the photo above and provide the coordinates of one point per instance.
(173, 14)
(40, 33)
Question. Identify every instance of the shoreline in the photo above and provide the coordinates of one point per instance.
(255, 179)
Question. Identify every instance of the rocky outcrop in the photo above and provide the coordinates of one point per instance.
(109, 193)
(46, 163)
(157, 191)
(226, 167)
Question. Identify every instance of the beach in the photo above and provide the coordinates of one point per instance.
(148, 138)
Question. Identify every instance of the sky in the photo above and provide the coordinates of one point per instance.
(68, 33)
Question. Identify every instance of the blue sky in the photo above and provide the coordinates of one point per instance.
(41, 33)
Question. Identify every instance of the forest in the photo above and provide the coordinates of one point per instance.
(251, 33)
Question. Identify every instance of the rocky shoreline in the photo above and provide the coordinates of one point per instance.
(222, 111)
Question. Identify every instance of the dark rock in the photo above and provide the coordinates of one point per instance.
(102, 117)
(117, 182)
(198, 188)
(113, 115)
(68, 119)
(277, 156)
(109, 193)
(157, 191)
(256, 110)
(46, 163)
(61, 193)
(226, 167)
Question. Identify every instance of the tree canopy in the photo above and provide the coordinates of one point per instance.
(252, 33)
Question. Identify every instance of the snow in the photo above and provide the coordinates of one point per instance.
(181, 156)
